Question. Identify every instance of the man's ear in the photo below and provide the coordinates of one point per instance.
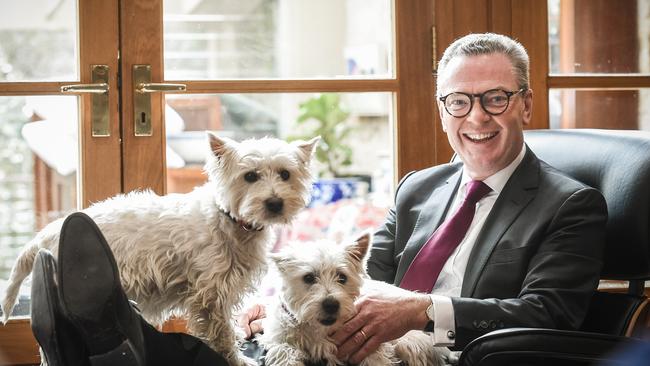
(528, 107)
(358, 250)
(441, 111)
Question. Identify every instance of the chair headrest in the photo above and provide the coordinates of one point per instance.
(618, 164)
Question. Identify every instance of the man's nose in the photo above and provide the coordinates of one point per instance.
(478, 114)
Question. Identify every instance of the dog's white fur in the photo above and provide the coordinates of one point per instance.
(314, 276)
(198, 253)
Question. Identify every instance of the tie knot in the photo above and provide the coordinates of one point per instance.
(476, 190)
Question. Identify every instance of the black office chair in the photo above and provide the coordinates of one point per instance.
(618, 164)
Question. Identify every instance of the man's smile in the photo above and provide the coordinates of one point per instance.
(480, 137)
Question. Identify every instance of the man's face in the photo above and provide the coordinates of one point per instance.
(484, 142)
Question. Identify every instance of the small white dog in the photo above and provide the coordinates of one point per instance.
(199, 253)
(320, 282)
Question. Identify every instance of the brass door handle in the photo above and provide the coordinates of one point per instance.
(100, 119)
(98, 88)
(143, 86)
(159, 87)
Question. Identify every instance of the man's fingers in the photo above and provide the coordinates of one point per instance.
(256, 327)
(366, 349)
(242, 321)
(348, 329)
(351, 345)
(251, 320)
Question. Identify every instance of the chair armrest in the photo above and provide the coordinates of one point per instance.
(537, 346)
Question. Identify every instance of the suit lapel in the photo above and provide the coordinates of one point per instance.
(517, 193)
(431, 216)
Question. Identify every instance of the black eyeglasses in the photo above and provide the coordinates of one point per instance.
(493, 101)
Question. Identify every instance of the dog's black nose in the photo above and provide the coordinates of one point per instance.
(331, 305)
(274, 204)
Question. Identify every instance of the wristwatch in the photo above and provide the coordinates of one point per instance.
(431, 316)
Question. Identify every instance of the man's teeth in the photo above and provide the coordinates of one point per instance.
(480, 136)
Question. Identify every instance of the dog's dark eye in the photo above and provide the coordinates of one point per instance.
(309, 278)
(342, 278)
(285, 175)
(251, 177)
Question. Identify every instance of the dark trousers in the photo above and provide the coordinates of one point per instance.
(179, 349)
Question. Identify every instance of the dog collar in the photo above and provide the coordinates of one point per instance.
(246, 226)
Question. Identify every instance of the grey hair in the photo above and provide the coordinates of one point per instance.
(486, 44)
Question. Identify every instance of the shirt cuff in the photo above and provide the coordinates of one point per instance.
(444, 328)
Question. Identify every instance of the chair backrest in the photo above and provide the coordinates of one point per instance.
(618, 164)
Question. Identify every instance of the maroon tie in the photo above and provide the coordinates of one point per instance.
(425, 268)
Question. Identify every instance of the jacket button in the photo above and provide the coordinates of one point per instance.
(451, 334)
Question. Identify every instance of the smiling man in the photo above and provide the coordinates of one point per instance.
(497, 239)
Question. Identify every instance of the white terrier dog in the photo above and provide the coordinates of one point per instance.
(199, 253)
(320, 282)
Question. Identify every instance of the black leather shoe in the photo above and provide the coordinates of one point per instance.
(60, 343)
(92, 297)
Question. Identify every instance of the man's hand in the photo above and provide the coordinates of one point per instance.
(380, 317)
(251, 320)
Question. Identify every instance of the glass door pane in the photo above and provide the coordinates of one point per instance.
(252, 39)
(38, 172)
(38, 133)
(360, 140)
(599, 36)
(38, 40)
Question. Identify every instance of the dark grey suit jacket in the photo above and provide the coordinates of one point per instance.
(536, 262)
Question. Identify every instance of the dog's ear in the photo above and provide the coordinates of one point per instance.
(307, 147)
(358, 250)
(281, 260)
(219, 145)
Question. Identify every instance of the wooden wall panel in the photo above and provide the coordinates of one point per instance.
(17, 344)
(530, 27)
(415, 133)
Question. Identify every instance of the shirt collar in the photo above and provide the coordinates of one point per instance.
(499, 179)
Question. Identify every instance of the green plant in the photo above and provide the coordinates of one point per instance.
(328, 119)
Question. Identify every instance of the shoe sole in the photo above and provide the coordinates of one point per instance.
(43, 310)
(90, 308)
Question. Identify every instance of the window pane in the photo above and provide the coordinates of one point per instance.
(611, 109)
(364, 181)
(38, 40)
(250, 39)
(599, 36)
(38, 165)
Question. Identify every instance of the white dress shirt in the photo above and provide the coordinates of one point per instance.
(450, 280)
